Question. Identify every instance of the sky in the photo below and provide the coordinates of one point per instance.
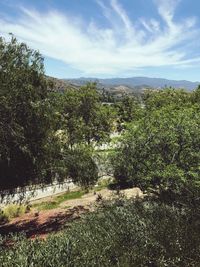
(109, 38)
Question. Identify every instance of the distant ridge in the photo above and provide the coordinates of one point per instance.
(137, 81)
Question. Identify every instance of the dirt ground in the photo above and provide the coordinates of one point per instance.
(40, 224)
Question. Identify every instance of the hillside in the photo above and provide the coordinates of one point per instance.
(136, 82)
(56, 84)
(120, 86)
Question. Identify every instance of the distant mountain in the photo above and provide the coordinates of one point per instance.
(139, 82)
(59, 84)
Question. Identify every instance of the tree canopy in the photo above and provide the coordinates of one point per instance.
(46, 134)
(24, 125)
(84, 117)
(161, 152)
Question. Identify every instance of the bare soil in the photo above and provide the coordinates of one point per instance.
(40, 224)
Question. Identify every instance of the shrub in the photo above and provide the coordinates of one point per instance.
(13, 210)
(120, 233)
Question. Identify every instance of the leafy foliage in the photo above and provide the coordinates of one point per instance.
(84, 117)
(121, 233)
(24, 123)
(82, 167)
(162, 153)
(128, 109)
(46, 135)
(39, 127)
(176, 98)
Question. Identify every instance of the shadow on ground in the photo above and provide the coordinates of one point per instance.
(34, 227)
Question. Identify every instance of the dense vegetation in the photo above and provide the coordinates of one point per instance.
(121, 233)
(160, 153)
(47, 135)
(23, 103)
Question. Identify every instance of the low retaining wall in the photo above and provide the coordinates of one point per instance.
(38, 193)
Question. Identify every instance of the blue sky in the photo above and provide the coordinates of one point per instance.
(109, 38)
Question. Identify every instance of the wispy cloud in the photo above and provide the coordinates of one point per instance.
(123, 46)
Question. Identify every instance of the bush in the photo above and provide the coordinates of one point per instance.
(162, 153)
(120, 233)
(11, 211)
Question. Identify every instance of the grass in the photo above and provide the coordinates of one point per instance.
(70, 195)
(12, 211)
(49, 205)
(58, 200)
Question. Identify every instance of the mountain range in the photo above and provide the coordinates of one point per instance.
(156, 83)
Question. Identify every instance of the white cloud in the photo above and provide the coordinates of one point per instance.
(166, 9)
(152, 26)
(121, 47)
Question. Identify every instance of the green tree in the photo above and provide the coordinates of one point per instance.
(41, 129)
(156, 99)
(84, 116)
(24, 123)
(81, 166)
(196, 95)
(161, 153)
(129, 109)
